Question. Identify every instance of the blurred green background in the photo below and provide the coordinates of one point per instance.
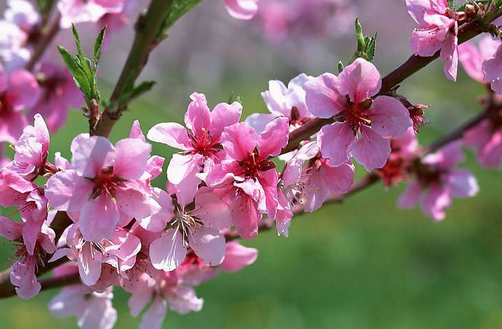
(361, 264)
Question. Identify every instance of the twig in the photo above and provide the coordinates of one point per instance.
(44, 42)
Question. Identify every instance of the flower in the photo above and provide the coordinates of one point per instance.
(162, 291)
(437, 181)
(93, 310)
(363, 125)
(32, 149)
(104, 185)
(486, 138)
(198, 228)
(247, 179)
(199, 141)
(82, 11)
(35, 242)
(241, 9)
(19, 90)
(237, 257)
(472, 58)
(283, 101)
(58, 95)
(492, 68)
(437, 30)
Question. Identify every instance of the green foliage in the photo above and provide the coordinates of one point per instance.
(83, 70)
(136, 92)
(366, 45)
(177, 10)
(340, 66)
(452, 4)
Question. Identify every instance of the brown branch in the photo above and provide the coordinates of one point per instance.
(414, 64)
(146, 39)
(60, 281)
(49, 33)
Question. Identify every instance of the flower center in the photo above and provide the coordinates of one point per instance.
(254, 164)
(356, 114)
(184, 223)
(203, 144)
(106, 182)
(5, 106)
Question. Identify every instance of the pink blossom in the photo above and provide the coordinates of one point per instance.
(23, 269)
(58, 95)
(119, 251)
(404, 151)
(104, 185)
(472, 58)
(199, 141)
(14, 189)
(237, 257)
(492, 68)
(437, 30)
(363, 125)
(93, 310)
(19, 30)
(116, 21)
(241, 9)
(438, 181)
(32, 149)
(19, 90)
(198, 228)
(161, 292)
(83, 11)
(486, 138)
(247, 178)
(283, 101)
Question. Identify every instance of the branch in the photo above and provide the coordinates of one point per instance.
(48, 35)
(146, 39)
(414, 64)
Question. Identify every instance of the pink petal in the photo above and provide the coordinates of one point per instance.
(389, 118)
(471, 60)
(360, 80)
(417, 9)
(259, 121)
(168, 252)
(10, 229)
(136, 131)
(224, 115)
(371, 150)
(241, 9)
(239, 141)
(435, 202)
(92, 155)
(245, 216)
(138, 300)
(336, 141)
(154, 316)
(198, 115)
(172, 134)
(136, 204)
(237, 257)
(183, 300)
(212, 210)
(98, 219)
(181, 166)
(11, 126)
(131, 158)
(449, 53)
(158, 221)
(410, 196)
(68, 191)
(208, 244)
(424, 42)
(89, 264)
(274, 138)
(322, 96)
(23, 276)
(490, 155)
(23, 90)
(462, 183)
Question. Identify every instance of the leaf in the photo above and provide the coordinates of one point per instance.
(452, 4)
(137, 91)
(98, 47)
(73, 64)
(340, 67)
(84, 62)
(361, 44)
(370, 50)
(177, 10)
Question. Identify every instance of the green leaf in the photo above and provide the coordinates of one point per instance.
(136, 92)
(452, 4)
(75, 68)
(361, 43)
(98, 47)
(340, 67)
(177, 10)
(370, 50)
(84, 62)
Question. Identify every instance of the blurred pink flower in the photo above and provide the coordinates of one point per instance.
(83, 11)
(438, 181)
(486, 138)
(241, 9)
(472, 57)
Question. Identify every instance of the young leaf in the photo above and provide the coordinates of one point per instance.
(361, 44)
(139, 90)
(83, 60)
(371, 47)
(73, 64)
(178, 9)
(340, 67)
(98, 47)
(452, 4)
